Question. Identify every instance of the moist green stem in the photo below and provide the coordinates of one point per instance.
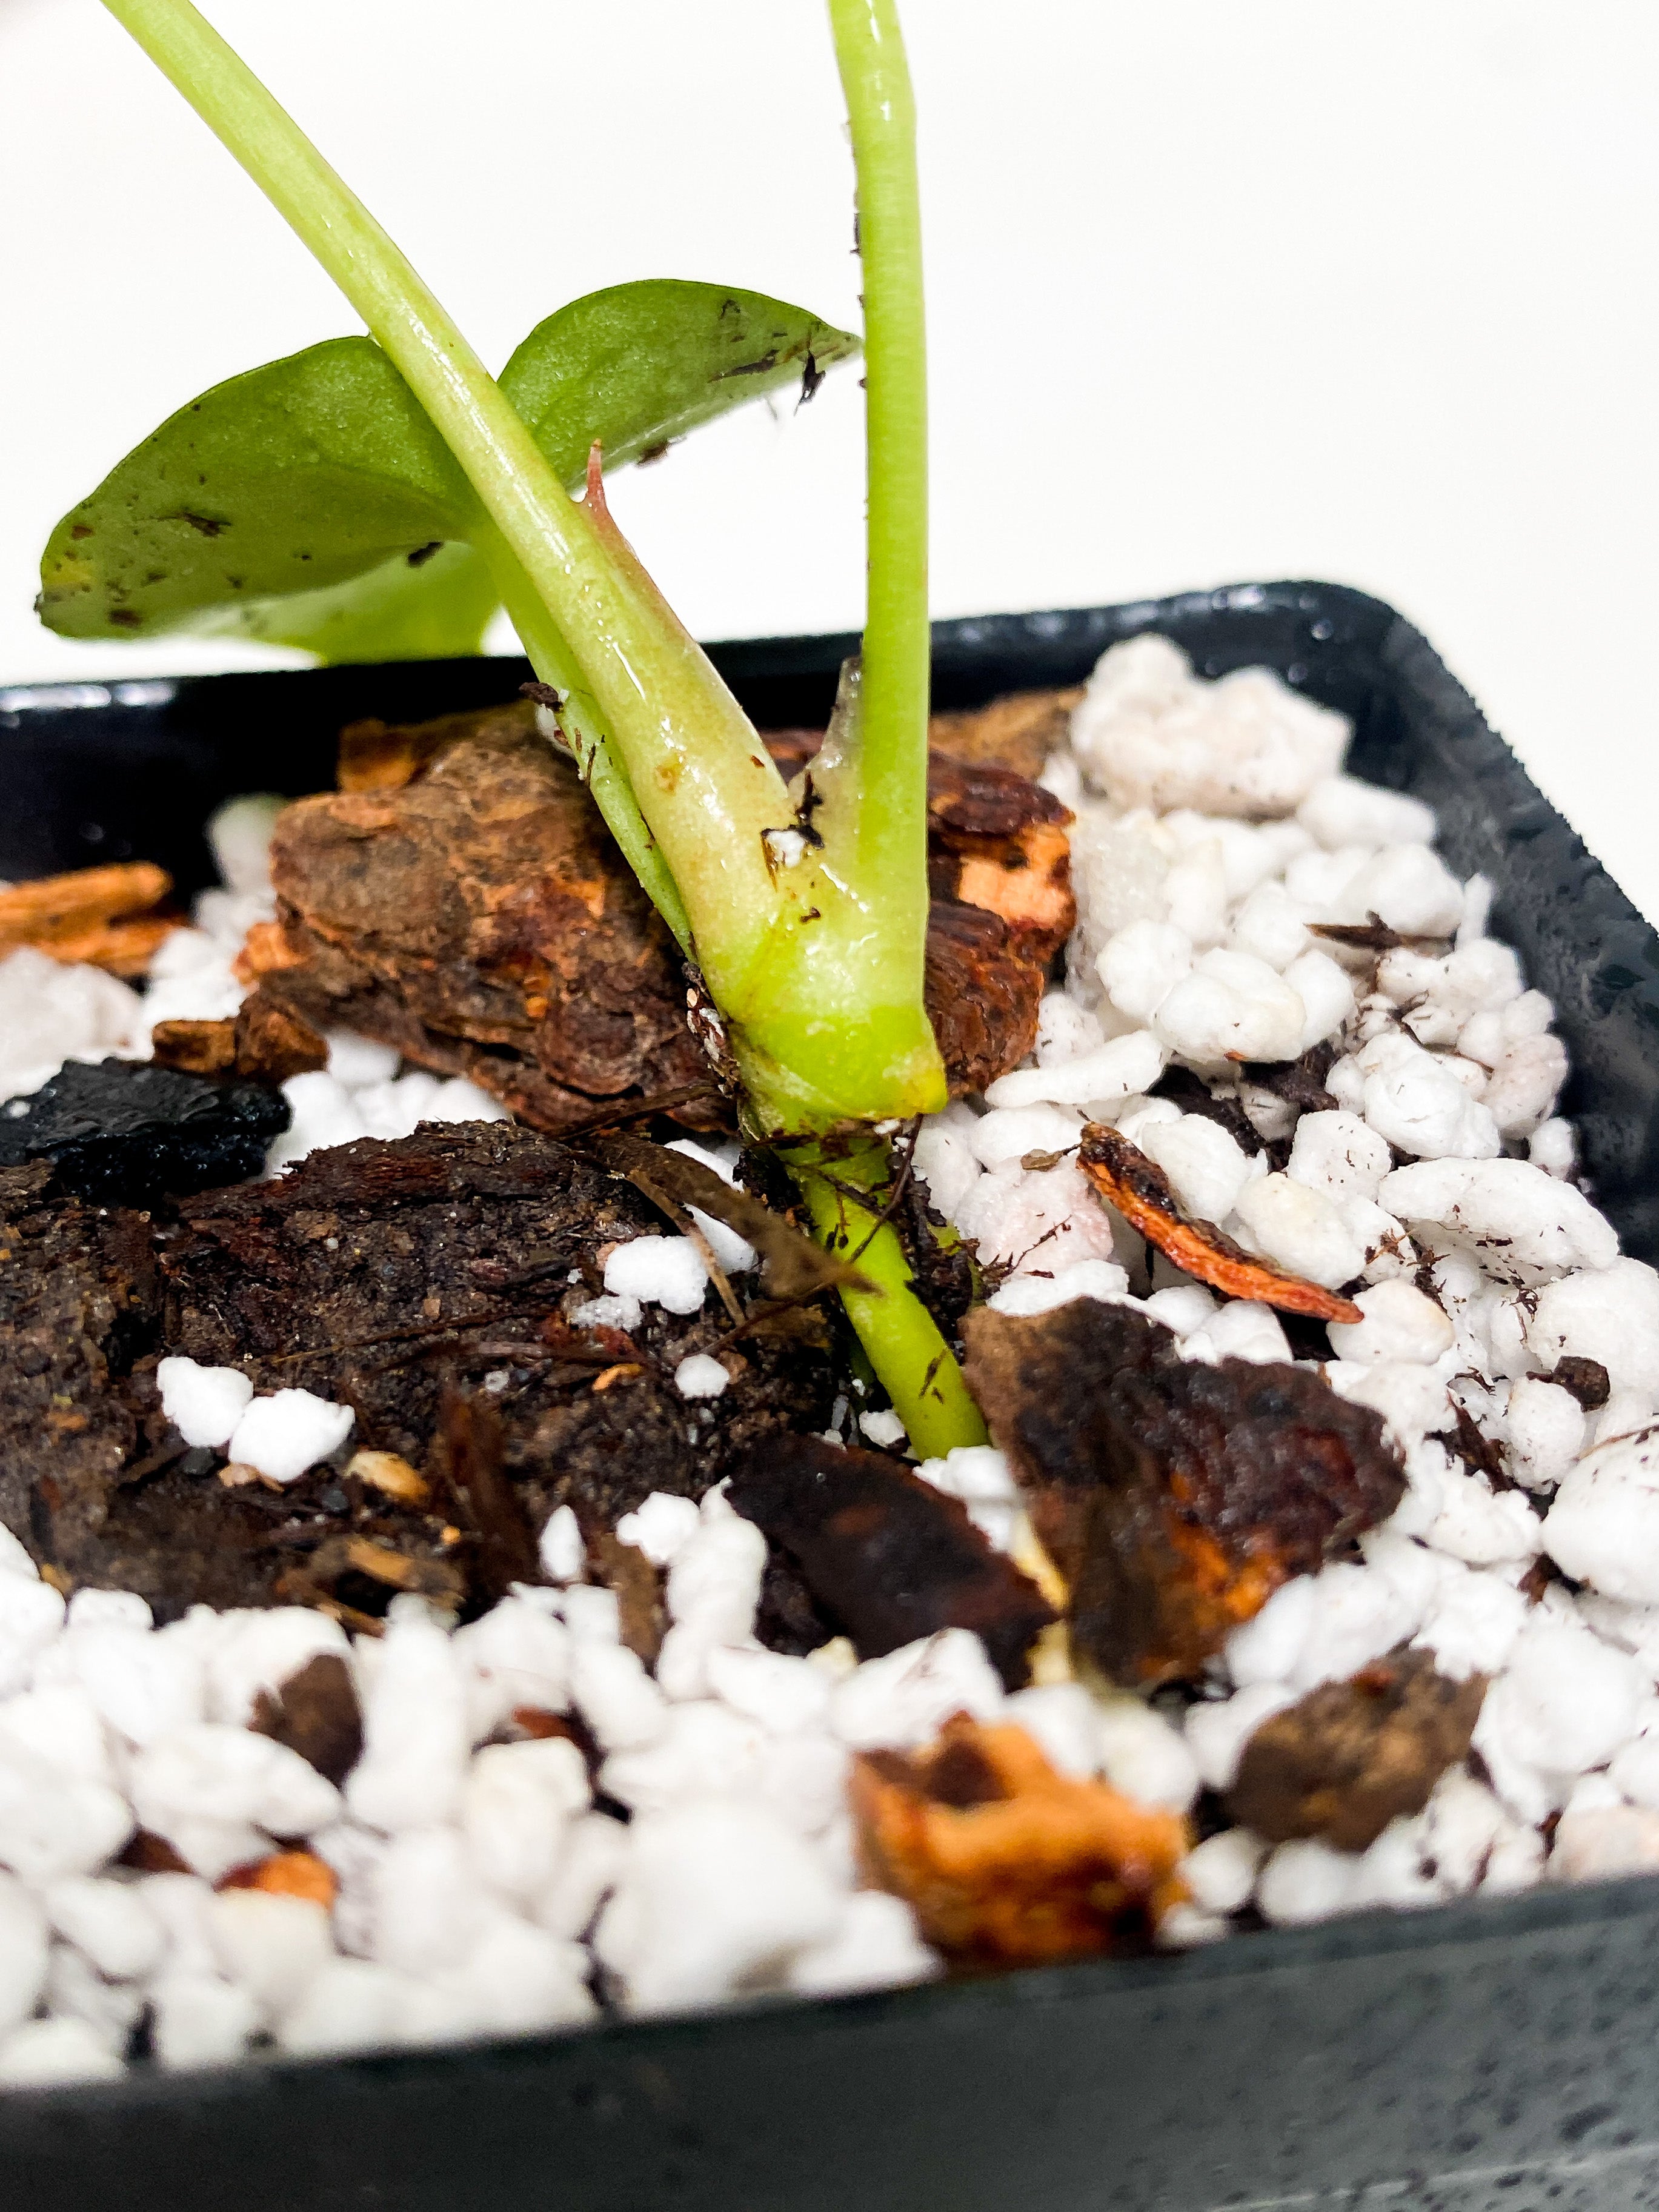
(915, 1364)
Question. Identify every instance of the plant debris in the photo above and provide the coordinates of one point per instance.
(1139, 1190)
(1003, 1860)
(1174, 1497)
(1298, 1083)
(1586, 1380)
(1351, 1756)
(472, 1451)
(887, 1558)
(793, 1265)
(125, 1132)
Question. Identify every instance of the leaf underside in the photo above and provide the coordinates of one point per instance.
(285, 504)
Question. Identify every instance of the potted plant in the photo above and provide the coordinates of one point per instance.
(800, 910)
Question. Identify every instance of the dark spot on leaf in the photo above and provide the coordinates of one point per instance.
(422, 553)
(127, 617)
(209, 524)
(750, 367)
(80, 530)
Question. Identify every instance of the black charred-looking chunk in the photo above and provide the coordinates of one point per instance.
(887, 1558)
(125, 1132)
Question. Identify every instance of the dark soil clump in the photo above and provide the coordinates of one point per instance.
(428, 1283)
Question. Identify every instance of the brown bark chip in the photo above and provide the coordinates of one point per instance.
(1018, 732)
(1139, 1189)
(315, 1713)
(265, 1040)
(478, 918)
(273, 1042)
(983, 994)
(887, 1558)
(1002, 1859)
(1174, 1497)
(196, 1047)
(999, 842)
(1352, 1756)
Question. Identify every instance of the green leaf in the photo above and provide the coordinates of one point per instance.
(642, 364)
(424, 605)
(290, 479)
(284, 504)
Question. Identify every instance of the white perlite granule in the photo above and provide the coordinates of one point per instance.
(1215, 832)
(481, 1889)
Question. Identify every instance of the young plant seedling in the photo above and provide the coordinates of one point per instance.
(802, 913)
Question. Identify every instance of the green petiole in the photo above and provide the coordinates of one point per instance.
(888, 840)
(809, 929)
(912, 1359)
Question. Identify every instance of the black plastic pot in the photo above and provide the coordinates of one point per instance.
(1492, 2053)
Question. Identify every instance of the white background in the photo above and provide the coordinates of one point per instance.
(1220, 289)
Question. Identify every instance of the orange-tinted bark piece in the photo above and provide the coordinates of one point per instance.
(1002, 1858)
(99, 916)
(1139, 1190)
(288, 1873)
(195, 1048)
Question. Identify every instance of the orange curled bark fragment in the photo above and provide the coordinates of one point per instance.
(98, 916)
(288, 1873)
(1139, 1190)
(1002, 1858)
